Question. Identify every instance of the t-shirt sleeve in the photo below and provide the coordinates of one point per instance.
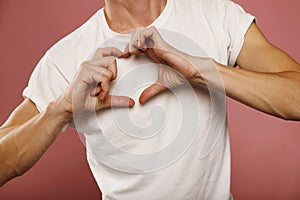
(46, 83)
(235, 23)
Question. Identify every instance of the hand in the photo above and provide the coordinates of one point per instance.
(89, 90)
(180, 70)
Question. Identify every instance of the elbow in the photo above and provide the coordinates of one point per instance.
(286, 108)
(292, 114)
(8, 173)
(2, 183)
(286, 118)
(3, 180)
(6, 176)
(290, 118)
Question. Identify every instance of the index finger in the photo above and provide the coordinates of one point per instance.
(150, 92)
(107, 51)
(113, 68)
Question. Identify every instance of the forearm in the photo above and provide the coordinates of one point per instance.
(277, 93)
(22, 146)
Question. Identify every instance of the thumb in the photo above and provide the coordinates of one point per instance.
(151, 91)
(125, 53)
(117, 101)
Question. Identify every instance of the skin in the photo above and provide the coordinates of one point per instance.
(266, 74)
(27, 134)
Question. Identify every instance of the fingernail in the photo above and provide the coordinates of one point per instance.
(131, 103)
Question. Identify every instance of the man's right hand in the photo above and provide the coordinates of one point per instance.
(89, 90)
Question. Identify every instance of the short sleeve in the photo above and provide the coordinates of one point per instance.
(46, 84)
(235, 24)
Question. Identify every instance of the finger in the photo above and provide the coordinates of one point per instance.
(133, 50)
(95, 91)
(126, 53)
(99, 74)
(112, 51)
(92, 75)
(113, 68)
(150, 92)
(105, 62)
(104, 84)
(108, 51)
(137, 40)
(144, 39)
(118, 101)
(97, 78)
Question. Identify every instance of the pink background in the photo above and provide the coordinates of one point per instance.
(265, 150)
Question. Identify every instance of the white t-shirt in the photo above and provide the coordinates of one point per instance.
(177, 145)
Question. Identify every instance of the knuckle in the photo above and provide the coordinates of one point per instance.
(85, 65)
(99, 51)
(153, 28)
(113, 48)
(110, 61)
(108, 73)
(142, 28)
(104, 77)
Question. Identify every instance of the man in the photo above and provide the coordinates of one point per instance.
(265, 76)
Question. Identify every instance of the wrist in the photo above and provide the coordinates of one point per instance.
(207, 70)
(210, 73)
(62, 115)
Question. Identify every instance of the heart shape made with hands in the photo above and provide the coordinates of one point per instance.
(146, 75)
(178, 113)
(135, 137)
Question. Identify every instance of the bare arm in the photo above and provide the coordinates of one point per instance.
(26, 135)
(268, 80)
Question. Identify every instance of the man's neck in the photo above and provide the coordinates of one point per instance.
(125, 15)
